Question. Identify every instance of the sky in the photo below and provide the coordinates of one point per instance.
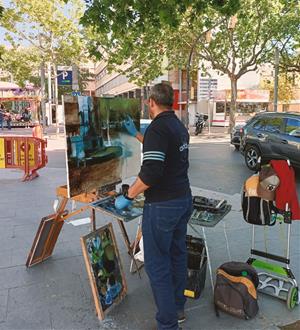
(2, 42)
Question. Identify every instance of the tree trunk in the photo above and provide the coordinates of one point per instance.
(232, 113)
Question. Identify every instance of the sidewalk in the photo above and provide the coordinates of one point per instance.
(56, 294)
(216, 135)
(49, 132)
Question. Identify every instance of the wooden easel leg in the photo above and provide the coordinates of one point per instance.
(128, 245)
(61, 208)
(125, 235)
(93, 220)
(138, 265)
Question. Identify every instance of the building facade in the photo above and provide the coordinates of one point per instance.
(209, 93)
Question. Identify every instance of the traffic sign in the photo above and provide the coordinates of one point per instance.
(64, 77)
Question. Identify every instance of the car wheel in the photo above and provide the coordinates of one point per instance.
(237, 147)
(252, 155)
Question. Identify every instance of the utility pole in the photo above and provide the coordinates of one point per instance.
(209, 97)
(49, 90)
(207, 35)
(56, 98)
(43, 105)
(276, 79)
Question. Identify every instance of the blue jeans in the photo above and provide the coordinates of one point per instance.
(1, 124)
(164, 230)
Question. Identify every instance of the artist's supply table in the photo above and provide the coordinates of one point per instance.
(209, 220)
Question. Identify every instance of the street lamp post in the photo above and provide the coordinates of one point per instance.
(209, 96)
(43, 106)
(188, 68)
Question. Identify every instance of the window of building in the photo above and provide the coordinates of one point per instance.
(220, 107)
(285, 107)
(101, 74)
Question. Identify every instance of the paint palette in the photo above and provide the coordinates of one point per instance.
(107, 205)
(208, 212)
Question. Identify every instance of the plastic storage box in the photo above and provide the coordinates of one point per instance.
(197, 264)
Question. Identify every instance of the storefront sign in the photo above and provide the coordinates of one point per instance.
(243, 95)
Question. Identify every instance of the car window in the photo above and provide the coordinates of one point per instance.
(274, 125)
(259, 124)
(292, 127)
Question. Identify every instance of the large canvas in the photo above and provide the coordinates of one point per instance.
(99, 150)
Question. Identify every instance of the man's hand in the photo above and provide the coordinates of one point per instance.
(122, 202)
(130, 127)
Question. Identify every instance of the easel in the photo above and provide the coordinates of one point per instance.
(39, 253)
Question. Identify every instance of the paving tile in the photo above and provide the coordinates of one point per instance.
(5, 259)
(18, 276)
(3, 305)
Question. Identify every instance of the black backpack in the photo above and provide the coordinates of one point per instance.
(235, 290)
(258, 211)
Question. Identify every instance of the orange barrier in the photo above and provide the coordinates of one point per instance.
(24, 152)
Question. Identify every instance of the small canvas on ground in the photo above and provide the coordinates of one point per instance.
(104, 268)
(45, 240)
(99, 149)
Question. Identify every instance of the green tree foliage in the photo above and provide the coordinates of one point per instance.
(286, 87)
(290, 53)
(45, 26)
(49, 28)
(143, 33)
(22, 64)
(138, 32)
(239, 47)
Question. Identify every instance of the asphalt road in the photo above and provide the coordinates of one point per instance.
(217, 166)
(213, 166)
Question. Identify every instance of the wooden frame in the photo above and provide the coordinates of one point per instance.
(95, 290)
(45, 240)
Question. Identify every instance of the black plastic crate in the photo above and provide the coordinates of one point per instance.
(197, 264)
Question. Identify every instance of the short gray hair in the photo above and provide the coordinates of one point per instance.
(162, 94)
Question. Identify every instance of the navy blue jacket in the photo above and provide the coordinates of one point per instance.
(165, 159)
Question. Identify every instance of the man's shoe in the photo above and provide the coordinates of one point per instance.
(180, 317)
